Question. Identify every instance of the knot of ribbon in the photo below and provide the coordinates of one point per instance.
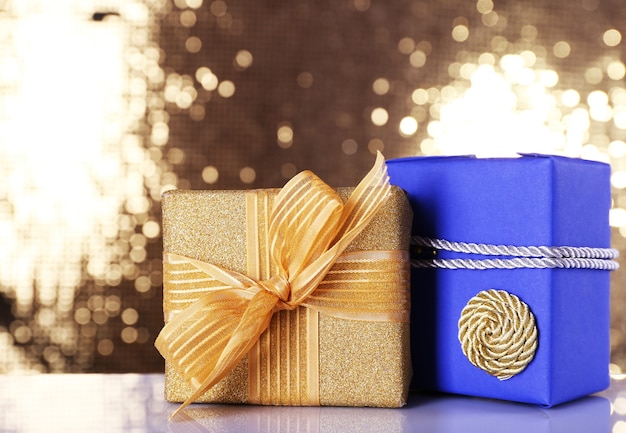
(281, 288)
(309, 229)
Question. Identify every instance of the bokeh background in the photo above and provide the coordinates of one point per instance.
(105, 104)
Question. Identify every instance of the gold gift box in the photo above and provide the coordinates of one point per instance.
(361, 363)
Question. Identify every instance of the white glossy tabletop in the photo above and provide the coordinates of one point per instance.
(94, 403)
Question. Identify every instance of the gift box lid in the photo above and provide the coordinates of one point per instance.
(531, 200)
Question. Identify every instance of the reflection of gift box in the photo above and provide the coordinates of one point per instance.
(493, 319)
(358, 362)
(447, 414)
(461, 414)
(264, 419)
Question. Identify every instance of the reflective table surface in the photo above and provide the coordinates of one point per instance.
(134, 403)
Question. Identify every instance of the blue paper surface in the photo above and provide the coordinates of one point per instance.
(528, 201)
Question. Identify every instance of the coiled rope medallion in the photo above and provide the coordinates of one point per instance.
(497, 333)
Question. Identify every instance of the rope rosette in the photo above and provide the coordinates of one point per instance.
(498, 334)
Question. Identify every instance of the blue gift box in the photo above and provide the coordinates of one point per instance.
(533, 200)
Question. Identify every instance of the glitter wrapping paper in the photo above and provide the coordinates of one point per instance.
(361, 363)
(530, 200)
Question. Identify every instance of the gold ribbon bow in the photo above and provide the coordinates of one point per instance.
(309, 229)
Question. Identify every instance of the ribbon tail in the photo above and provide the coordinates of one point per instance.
(252, 322)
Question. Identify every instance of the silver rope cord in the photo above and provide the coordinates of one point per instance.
(541, 257)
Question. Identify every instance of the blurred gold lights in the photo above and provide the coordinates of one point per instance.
(77, 191)
(89, 218)
(509, 100)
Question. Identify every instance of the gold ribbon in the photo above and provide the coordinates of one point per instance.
(309, 229)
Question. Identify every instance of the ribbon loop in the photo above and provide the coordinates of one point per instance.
(306, 213)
